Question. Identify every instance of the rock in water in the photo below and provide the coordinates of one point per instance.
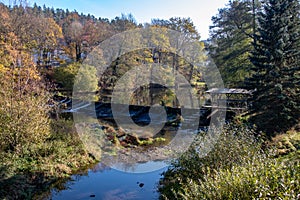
(141, 184)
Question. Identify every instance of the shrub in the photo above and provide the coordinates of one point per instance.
(85, 75)
(261, 178)
(236, 168)
(43, 165)
(24, 117)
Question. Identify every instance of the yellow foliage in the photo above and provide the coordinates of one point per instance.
(2, 69)
(23, 109)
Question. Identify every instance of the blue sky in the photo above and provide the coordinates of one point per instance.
(200, 11)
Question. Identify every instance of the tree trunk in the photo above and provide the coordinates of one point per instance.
(78, 52)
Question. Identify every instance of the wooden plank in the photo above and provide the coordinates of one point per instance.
(229, 91)
(211, 114)
(228, 108)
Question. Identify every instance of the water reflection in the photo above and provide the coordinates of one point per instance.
(106, 183)
(130, 175)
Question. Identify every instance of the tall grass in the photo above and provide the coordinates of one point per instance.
(41, 165)
(237, 168)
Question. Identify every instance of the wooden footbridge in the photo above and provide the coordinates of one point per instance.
(234, 99)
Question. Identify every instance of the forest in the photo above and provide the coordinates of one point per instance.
(254, 44)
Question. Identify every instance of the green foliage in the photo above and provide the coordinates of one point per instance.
(86, 83)
(236, 168)
(231, 41)
(276, 106)
(84, 75)
(183, 25)
(263, 179)
(236, 144)
(287, 144)
(66, 75)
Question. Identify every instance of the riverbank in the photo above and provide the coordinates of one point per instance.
(42, 166)
(241, 165)
(49, 165)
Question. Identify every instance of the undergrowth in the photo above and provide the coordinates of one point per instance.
(240, 166)
(41, 165)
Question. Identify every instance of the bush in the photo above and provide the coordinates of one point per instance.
(236, 168)
(24, 111)
(43, 165)
(262, 178)
(85, 75)
(65, 75)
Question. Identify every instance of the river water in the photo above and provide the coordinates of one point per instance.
(126, 179)
(111, 184)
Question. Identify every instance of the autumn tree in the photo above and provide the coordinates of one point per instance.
(36, 34)
(73, 32)
(23, 104)
(48, 38)
(188, 32)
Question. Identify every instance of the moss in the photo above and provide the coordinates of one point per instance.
(148, 141)
(159, 139)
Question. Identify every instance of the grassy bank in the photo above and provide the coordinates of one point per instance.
(29, 174)
(240, 166)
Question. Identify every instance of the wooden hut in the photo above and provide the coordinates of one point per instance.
(228, 98)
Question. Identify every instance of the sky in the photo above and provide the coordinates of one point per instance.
(200, 11)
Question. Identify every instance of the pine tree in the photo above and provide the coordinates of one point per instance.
(275, 58)
(231, 37)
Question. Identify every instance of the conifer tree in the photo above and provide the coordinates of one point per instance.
(275, 58)
(230, 43)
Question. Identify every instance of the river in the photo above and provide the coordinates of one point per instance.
(111, 184)
(136, 172)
